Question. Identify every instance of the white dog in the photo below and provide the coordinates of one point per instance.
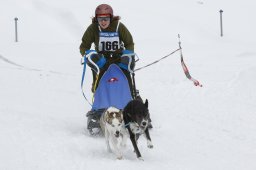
(112, 125)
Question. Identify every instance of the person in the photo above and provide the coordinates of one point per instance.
(112, 41)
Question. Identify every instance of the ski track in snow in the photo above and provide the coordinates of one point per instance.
(10, 62)
(21, 67)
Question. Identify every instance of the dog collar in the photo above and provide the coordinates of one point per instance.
(128, 124)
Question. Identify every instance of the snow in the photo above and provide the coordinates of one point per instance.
(42, 110)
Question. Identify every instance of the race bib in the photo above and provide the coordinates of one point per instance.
(109, 41)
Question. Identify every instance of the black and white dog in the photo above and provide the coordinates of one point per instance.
(136, 119)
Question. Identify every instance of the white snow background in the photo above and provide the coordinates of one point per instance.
(42, 110)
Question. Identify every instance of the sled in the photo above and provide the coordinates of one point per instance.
(113, 90)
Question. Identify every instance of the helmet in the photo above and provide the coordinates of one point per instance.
(104, 9)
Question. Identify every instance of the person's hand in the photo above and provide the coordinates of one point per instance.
(94, 59)
(127, 60)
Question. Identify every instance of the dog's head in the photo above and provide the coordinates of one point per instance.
(138, 113)
(114, 120)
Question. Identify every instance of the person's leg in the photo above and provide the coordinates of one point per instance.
(129, 78)
(93, 80)
(97, 79)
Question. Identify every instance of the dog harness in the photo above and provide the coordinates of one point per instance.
(126, 125)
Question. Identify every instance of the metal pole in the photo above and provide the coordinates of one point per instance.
(221, 27)
(16, 29)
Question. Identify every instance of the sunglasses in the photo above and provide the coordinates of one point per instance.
(100, 19)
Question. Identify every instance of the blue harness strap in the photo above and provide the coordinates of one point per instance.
(82, 81)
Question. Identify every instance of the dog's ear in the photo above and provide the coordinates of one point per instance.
(146, 103)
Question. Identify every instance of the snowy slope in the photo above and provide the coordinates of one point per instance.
(42, 110)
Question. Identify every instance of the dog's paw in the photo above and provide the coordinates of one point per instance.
(150, 145)
(140, 158)
(119, 157)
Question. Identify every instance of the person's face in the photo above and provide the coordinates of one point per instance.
(104, 21)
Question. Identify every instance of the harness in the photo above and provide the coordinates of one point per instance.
(127, 125)
(129, 122)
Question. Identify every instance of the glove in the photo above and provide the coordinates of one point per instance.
(96, 58)
(127, 60)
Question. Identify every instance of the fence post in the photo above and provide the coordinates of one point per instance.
(221, 25)
(16, 29)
